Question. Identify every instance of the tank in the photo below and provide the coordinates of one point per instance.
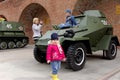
(92, 33)
(12, 35)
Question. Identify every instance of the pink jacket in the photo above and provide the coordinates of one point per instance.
(55, 53)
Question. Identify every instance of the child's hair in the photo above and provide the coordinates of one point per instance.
(35, 19)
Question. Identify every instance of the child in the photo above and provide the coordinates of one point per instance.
(70, 20)
(36, 27)
(55, 55)
(2, 19)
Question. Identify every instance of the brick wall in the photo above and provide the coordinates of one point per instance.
(13, 9)
(108, 7)
(53, 11)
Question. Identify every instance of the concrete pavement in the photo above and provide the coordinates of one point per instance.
(19, 64)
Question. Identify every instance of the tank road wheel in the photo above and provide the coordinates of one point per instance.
(111, 52)
(76, 56)
(25, 42)
(3, 45)
(39, 56)
(19, 44)
(11, 45)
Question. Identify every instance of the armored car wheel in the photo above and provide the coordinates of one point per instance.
(76, 56)
(19, 44)
(11, 45)
(111, 52)
(3, 45)
(39, 56)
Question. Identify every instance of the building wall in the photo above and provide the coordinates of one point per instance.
(54, 10)
(12, 10)
(108, 7)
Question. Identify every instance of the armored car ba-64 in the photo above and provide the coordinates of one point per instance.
(92, 33)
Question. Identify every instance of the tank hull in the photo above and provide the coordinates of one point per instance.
(12, 35)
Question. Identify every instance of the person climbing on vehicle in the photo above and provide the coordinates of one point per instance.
(70, 20)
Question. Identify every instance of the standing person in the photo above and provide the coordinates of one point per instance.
(70, 20)
(2, 19)
(36, 27)
(55, 55)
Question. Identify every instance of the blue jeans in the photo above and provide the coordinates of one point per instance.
(65, 25)
(55, 66)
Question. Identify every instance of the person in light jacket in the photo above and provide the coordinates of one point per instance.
(36, 27)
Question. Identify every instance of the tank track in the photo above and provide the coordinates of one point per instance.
(13, 42)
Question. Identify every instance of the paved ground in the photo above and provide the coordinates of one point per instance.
(20, 65)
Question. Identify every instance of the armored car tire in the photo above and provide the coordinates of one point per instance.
(76, 56)
(39, 56)
(111, 52)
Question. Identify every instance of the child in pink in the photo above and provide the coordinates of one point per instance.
(55, 55)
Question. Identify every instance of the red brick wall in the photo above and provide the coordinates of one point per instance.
(12, 10)
(108, 7)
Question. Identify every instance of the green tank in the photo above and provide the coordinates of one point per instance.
(92, 33)
(12, 35)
